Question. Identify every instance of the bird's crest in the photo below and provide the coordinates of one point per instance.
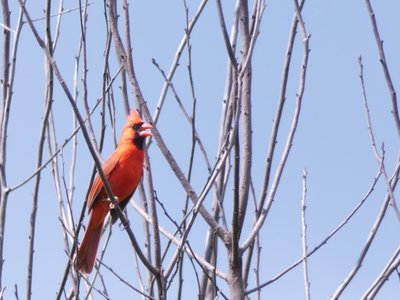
(134, 118)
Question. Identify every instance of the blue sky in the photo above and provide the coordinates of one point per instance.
(332, 140)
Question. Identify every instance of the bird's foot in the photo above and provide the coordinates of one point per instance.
(110, 203)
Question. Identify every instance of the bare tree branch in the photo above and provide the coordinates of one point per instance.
(379, 158)
(391, 183)
(304, 235)
(125, 282)
(87, 139)
(325, 240)
(289, 141)
(175, 62)
(179, 243)
(391, 266)
(8, 75)
(142, 105)
(385, 68)
(42, 137)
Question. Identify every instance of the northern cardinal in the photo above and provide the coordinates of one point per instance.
(123, 170)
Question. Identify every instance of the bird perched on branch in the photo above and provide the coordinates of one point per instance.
(123, 170)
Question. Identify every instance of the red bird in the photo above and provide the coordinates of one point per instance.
(123, 170)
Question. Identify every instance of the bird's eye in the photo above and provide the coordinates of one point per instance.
(136, 127)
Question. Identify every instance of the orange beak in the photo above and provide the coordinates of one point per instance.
(143, 132)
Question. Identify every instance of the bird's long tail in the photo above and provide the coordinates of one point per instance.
(90, 243)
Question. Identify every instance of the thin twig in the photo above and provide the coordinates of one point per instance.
(61, 12)
(228, 46)
(42, 137)
(35, 199)
(124, 281)
(147, 234)
(193, 144)
(252, 36)
(58, 26)
(304, 235)
(385, 68)
(83, 20)
(379, 158)
(96, 289)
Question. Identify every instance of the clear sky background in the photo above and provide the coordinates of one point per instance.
(332, 140)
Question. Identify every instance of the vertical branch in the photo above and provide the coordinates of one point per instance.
(57, 31)
(5, 56)
(256, 245)
(42, 137)
(210, 254)
(232, 82)
(5, 113)
(51, 132)
(382, 58)
(246, 130)
(32, 227)
(193, 140)
(242, 158)
(156, 232)
(279, 111)
(52, 144)
(124, 86)
(304, 235)
(146, 231)
(234, 255)
(265, 209)
(124, 90)
(7, 82)
(83, 21)
(107, 91)
(275, 129)
(257, 266)
(379, 158)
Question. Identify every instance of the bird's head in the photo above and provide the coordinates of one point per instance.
(135, 130)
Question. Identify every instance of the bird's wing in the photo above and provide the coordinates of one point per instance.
(97, 186)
